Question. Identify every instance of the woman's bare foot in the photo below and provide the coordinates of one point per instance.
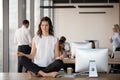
(51, 74)
(31, 74)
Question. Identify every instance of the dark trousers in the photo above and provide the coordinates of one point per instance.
(25, 49)
(55, 66)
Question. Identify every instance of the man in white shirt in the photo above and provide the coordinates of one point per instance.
(23, 39)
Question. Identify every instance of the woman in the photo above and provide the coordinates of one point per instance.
(62, 48)
(115, 39)
(45, 52)
(93, 44)
(66, 44)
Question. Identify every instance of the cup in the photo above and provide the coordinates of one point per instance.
(68, 54)
(69, 70)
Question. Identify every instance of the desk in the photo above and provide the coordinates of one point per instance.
(24, 76)
(114, 61)
(72, 61)
(69, 61)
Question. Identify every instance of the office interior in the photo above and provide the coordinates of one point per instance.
(77, 20)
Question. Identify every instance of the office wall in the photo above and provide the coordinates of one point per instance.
(80, 27)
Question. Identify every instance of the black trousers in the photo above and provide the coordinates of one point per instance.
(25, 49)
(55, 66)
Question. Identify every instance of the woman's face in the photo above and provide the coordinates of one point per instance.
(114, 29)
(45, 27)
(62, 45)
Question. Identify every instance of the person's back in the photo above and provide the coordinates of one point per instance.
(23, 39)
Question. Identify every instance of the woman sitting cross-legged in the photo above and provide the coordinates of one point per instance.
(47, 60)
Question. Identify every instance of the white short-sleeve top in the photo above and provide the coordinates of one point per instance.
(45, 46)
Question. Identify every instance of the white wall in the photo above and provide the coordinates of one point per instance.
(80, 27)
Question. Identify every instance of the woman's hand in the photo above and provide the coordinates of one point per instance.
(20, 54)
(110, 38)
(60, 57)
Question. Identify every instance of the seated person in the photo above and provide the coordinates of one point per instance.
(93, 44)
(45, 52)
(62, 48)
(66, 44)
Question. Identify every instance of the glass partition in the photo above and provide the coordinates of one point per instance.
(1, 35)
(28, 10)
(37, 14)
(46, 10)
(13, 25)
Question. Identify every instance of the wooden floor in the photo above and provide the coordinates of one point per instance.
(24, 76)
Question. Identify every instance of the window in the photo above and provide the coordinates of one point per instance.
(46, 11)
(1, 35)
(13, 25)
(37, 14)
(28, 10)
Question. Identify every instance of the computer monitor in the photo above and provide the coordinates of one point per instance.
(77, 45)
(84, 56)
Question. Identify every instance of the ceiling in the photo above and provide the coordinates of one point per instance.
(84, 1)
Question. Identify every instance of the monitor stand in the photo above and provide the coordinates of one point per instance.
(92, 69)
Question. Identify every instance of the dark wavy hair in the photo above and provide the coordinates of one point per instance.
(61, 49)
(51, 31)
